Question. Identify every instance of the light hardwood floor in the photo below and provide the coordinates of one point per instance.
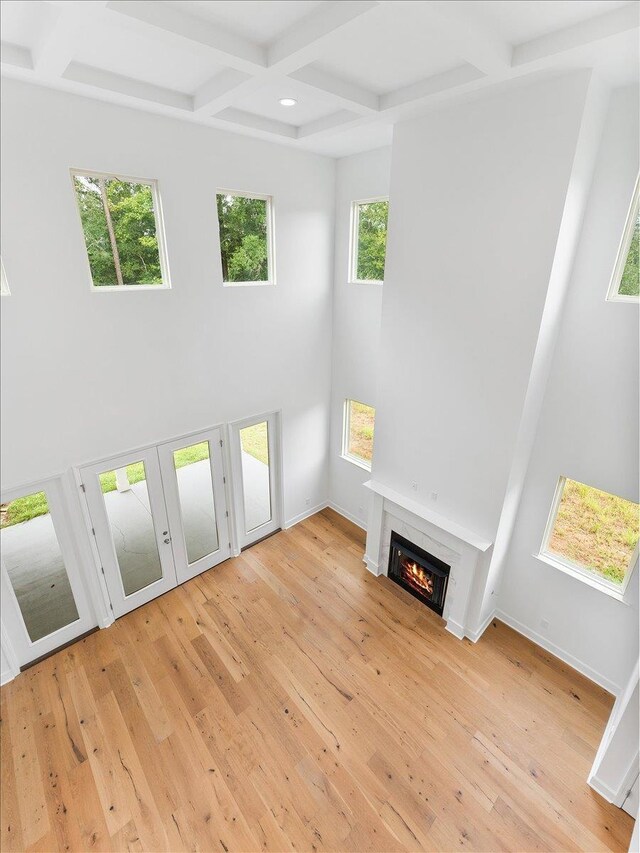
(288, 700)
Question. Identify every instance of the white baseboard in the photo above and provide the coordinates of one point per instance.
(455, 629)
(474, 636)
(604, 790)
(539, 640)
(371, 565)
(345, 514)
(306, 514)
(7, 675)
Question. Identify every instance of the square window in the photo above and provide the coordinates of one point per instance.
(122, 229)
(593, 533)
(625, 282)
(357, 442)
(245, 223)
(368, 240)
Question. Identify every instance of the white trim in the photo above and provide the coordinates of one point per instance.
(455, 628)
(271, 239)
(13, 668)
(586, 670)
(581, 573)
(160, 231)
(371, 565)
(623, 250)
(346, 429)
(291, 522)
(346, 514)
(354, 226)
(474, 636)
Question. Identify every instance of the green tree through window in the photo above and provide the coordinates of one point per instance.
(372, 240)
(630, 281)
(120, 231)
(243, 238)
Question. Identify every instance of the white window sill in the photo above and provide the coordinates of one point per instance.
(355, 461)
(366, 281)
(581, 576)
(127, 288)
(248, 283)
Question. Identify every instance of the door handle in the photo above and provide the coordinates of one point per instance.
(166, 541)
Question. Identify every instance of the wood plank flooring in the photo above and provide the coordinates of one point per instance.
(288, 700)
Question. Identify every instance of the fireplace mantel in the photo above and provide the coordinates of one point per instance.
(441, 521)
(462, 549)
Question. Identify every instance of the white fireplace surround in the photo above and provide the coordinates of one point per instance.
(462, 549)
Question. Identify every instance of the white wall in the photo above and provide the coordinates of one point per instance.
(477, 195)
(356, 327)
(88, 374)
(588, 428)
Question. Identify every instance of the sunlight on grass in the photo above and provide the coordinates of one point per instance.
(255, 441)
(596, 530)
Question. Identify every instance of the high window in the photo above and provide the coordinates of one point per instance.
(246, 238)
(122, 225)
(593, 534)
(357, 441)
(4, 284)
(625, 282)
(368, 240)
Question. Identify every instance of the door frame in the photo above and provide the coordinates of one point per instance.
(21, 649)
(185, 570)
(274, 421)
(120, 602)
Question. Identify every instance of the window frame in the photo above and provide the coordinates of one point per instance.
(623, 250)
(346, 428)
(577, 570)
(160, 231)
(271, 242)
(5, 290)
(353, 241)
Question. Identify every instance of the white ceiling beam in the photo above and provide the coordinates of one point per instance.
(578, 35)
(15, 55)
(111, 82)
(71, 22)
(348, 95)
(172, 25)
(217, 88)
(431, 86)
(256, 122)
(328, 124)
(305, 40)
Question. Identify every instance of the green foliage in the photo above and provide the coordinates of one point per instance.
(243, 238)
(361, 429)
(630, 282)
(130, 207)
(372, 240)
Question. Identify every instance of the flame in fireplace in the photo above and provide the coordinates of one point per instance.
(417, 577)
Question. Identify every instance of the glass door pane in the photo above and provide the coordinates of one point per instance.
(35, 566)
(126, 500)
(195, 492)
(256, 485)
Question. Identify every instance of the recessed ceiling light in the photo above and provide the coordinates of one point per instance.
(288, 102)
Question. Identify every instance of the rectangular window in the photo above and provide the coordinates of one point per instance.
(593, 533)
(357, 442)
(4, 284)
(122, 225)
(368, 240)
(625, 282)
(245, 223)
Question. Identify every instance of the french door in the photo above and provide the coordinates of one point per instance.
(159, 517)
(44, 603)
(254, 456)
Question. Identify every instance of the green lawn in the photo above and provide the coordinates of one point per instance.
(254, 442)
(596, 530)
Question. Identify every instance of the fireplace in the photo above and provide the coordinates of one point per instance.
(419, 572)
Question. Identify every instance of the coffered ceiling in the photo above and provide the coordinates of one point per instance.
(354, 67)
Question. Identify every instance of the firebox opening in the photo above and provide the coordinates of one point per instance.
(420, 573)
